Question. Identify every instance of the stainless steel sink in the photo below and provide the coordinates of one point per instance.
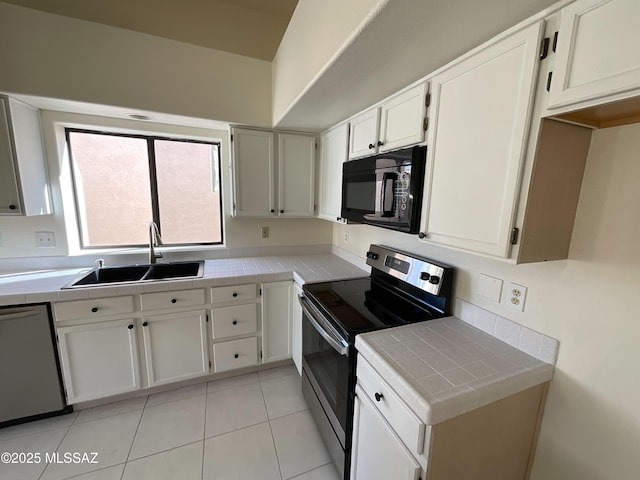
(138, 274)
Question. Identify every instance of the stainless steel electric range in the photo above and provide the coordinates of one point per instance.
(402, 288)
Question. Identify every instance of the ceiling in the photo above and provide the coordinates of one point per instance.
(252, 28)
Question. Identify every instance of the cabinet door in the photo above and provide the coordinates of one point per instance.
(482, 108)
(175, 347)
(253, 173)
(377, 453)
(296, 179)
(333, 148)
(296, 343)
(276, 321)
(597, 51)
(402, 119)
(363, 139)
(9, 200)
(99, 360)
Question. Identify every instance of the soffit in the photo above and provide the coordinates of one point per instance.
(252, 28)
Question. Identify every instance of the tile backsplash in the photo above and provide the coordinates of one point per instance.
(537, 345)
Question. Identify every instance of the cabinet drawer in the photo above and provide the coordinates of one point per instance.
(180, 298)
(235, 354)
(234, 321)
(87, 309)
(228, 294)
(408, 427)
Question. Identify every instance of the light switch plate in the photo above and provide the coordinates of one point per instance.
(490, 287)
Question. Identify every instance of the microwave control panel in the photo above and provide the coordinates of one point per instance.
(401, 194)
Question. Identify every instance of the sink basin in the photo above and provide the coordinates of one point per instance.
(161, 271)
(139, 274)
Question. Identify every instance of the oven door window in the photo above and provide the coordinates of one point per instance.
(329, 369)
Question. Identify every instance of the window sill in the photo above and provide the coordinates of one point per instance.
(145, 250)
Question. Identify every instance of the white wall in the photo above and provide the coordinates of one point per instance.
(49, 55)
(18, 233)
(591, 427)
(317, 32)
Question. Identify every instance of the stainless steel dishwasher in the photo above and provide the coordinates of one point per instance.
(30, 376)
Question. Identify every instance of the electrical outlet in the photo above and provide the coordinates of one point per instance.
(265, 232)
(346, 237)
(517, 295)
(45, 239)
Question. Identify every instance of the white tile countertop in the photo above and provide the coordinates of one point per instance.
(45, 285)
(445, 367)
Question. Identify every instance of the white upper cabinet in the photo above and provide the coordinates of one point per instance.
(296, 179)
(364, 128)
(333, 153)
(481, 107)
(23, 173)
(253, 173)
(597, 51)
(266, 187)
(402, 119)
(398, 122)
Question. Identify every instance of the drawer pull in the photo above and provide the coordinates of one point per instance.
(145, 324)
(173, 300)
(235, 322)
(94, 309)
(234, 294)
(378, 396)
(235, 355)
(130, 327)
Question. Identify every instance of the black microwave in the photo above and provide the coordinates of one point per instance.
(385, 190)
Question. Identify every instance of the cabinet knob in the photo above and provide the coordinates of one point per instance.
(130, 327)
(422, 235)
(371, 146)
(235, 322)
(235, 355)
(12, 207)
(281, 211)
(234, 295)
(380, 143)
(173, 300)
(378, 396)
(145, 324)
(273, 211)
(94, 309)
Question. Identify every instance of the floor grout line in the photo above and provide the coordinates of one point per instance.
(60, 443)
(133, 440)
(273, 440)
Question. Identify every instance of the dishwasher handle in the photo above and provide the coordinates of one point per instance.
(18, 314)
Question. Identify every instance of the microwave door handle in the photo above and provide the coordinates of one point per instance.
(388, 185)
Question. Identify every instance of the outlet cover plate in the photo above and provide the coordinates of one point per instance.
(517, 296)
(490, 287)
(45, 239)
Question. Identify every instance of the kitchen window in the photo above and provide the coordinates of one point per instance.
(122, 182)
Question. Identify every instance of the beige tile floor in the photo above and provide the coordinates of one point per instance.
(254, 426)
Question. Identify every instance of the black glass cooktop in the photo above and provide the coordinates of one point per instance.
(364, 304)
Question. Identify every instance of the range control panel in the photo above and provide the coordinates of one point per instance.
(419, 272)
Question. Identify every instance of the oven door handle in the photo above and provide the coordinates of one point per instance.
(322, 327)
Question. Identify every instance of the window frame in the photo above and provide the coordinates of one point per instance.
(153, 183)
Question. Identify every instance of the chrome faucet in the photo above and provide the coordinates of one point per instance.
(155, 240)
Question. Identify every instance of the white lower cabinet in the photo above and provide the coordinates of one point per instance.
(296, 341)
(276, 321)
(235, 354)
(377, 453)
(175, 347)
(99, 359)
